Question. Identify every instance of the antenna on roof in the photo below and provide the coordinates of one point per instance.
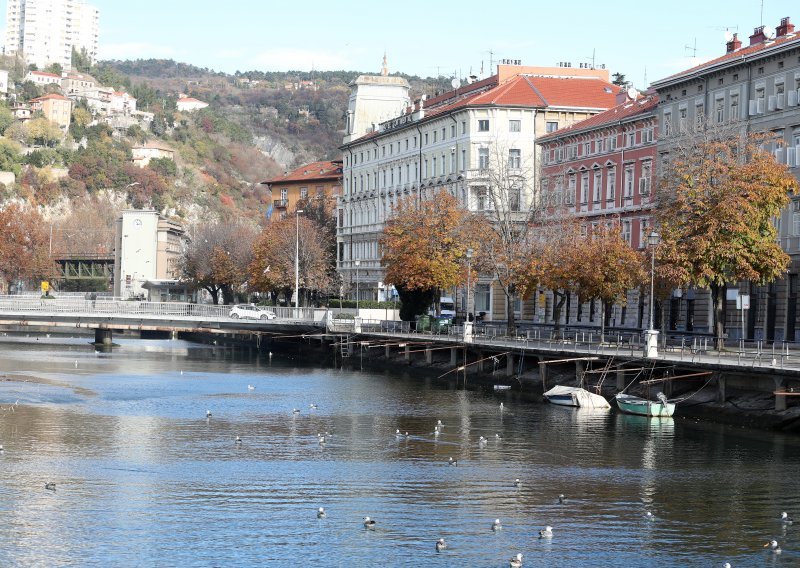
(692, 48)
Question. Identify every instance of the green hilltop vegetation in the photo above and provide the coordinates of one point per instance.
(257, 125)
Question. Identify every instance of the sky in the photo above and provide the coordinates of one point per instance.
(645, 41)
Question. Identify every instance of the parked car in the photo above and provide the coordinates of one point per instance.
(249, 311)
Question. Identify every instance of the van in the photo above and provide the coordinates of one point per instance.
(447, 305)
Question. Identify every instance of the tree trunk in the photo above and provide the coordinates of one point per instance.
(214, 293)
(602, 321)
(511, 326)
(557, 305)
(718, 301)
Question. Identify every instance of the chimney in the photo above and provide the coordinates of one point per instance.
(785, 28)
(758, 35)
(734, 44)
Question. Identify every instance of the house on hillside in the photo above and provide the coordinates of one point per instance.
(77, 82)
(151, 151)
(189, 104)
(41, 78)
(56, 108)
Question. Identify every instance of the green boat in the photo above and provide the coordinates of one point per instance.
(643, 407)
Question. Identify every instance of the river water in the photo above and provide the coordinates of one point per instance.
(143, 478)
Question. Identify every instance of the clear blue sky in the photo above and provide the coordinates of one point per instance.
(432, 37)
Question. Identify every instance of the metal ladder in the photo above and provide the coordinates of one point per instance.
(344, 344)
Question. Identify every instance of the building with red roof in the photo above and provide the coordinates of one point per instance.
(452, 142)
(317, 182)
(601, 170)
(56, 108)
(753, 88)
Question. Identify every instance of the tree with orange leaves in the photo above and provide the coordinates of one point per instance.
(24, 248)
(609, 267)
(717, 200)
(424, 249)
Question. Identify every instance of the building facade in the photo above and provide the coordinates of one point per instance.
(46, 31)
(753, 88)
(56, 108)
(602, 170)
(449, 143)
(148, 249)
(318, 182)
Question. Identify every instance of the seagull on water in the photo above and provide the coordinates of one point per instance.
(786, 519)
(727, 565)
(497, 437)
(440, 545)
(369, 523)
(773, 547)
(451, 461)
(238, 440)
(321, 513)
(50, 486)
(516, 561)
(295, 411)
(496, 526)
(517, 483)
(481, 441)
(251, 388)
(649, 516)
(208, 414)
(439, 423)
(313, 406)
(546, 532)
(562, 499)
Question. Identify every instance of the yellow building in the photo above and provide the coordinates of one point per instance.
(314, 181)
(56, 108)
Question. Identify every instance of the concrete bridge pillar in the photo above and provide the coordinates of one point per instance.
(480, 362)
(620, 379)
(102, 336)
(453, 356)
(780, 400)
(428, 355)
(543, 374)
(387, 351)
(722, 395)
(579, 368)
(407, 353)
(509, 364)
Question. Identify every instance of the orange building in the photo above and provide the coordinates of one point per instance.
(56, 108)
(314, 181)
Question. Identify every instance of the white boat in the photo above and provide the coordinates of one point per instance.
(575, 396)
(643, 407)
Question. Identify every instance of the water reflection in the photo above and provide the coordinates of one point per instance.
(136, 462)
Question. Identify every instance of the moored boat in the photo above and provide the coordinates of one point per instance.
(575, 396)
(643, 407)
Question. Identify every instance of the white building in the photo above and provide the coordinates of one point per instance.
(189, 104)
(45, 31)
(147, 251)
(3, 81)
(445, 143)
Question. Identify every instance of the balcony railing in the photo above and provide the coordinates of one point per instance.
(281, 203)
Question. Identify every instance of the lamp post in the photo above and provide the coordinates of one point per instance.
(651, 335)
(467, 322)
(357, 263)
(297, 261)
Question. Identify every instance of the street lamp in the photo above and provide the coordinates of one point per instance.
(357, 263)
(297, 260)
(651, 336)
(467, 322)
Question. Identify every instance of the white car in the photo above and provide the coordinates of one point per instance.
(249, 311)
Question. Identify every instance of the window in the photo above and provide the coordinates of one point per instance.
(587, 148)
(551, 126)
(796, 224)
(611, 182)
(452, 131)
(569, 199)
(644, 181)
(514, 159)
(463, 127)
(514, 125)
(463, 159)
(480, 198)
(406, 143)
(425, 168)
(628, 185)
(452, 162)
(303, 193)
(433, 169)
(483, 125)
(483, 158)
(415, 141)
(699, 115)
(514, 198)
(734, 108)
(647, 135)
(426, 139)
(643, 223)
(682, 114)
(598, 185)
(444, 133)
(667, 123)
(483, 296)
(719, 111)
(584, 187)
(284, 194)
(435, 133)
(631, 136)
(383, 151)
(626, 231)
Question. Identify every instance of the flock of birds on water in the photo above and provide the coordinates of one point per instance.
(440, 545)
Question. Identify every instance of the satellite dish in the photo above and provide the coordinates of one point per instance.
(769, 32)
(455, 83)
(728, 36)
(632, 93)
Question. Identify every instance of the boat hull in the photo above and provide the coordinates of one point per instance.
(575, 396)
(643, 407)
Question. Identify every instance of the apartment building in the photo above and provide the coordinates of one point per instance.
(45, 31)
(56, 108)
(755, 88)
(394, 148)
(317, 182)
(601, 170)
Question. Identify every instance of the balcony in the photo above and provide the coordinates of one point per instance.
(280, 203)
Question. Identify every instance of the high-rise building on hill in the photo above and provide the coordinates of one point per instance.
(45, 31)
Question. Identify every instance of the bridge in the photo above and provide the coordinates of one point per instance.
(105, 315)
